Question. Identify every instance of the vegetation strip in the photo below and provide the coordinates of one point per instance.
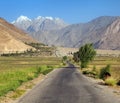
(13, 75)
(105, 68)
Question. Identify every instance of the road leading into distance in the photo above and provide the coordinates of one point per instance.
(68, 85)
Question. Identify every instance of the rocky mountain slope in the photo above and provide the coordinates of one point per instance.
(12, 39)
(111, 39)
(103, 32)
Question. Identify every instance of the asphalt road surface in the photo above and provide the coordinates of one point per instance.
(68, 85)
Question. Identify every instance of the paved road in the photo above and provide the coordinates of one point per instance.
(67, 85)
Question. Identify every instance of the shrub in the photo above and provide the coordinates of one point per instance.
(110, 81)
(94, 68)
(46, 71)
(118, 83)
(86, 72)
(38, 70)
(95, 72)
(64, 58)
(104, 71)
(49, 66)
(90, 73)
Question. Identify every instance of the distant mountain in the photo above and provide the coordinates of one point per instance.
(12, 39)
(103, 32)
(111, 39)
(90, 32)
(40, 27)
(39, 23)
(22, 22)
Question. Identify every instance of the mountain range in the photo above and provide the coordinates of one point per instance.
(103, 32)
(12, 39)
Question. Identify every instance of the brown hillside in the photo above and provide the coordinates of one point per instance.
(12, 39)
(15, 32)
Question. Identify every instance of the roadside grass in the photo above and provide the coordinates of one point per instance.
(18, 93)
(100, 62)
(110, 81)
(16, 70)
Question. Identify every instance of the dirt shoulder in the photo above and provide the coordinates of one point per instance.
(110, 89)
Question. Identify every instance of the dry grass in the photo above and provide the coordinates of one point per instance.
(101, 62)
(108, 52)
(66, 51)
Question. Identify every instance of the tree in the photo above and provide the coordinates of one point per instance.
(85, 54)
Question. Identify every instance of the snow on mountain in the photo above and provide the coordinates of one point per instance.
(39, 23)
(23, 18)
(43, 18)
(22, 22)
(50, 18)
(39, 18)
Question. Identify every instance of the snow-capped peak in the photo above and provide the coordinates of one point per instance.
(39, 17)
(50, 18)
(44, 18)
(23, 18)
(25, 22)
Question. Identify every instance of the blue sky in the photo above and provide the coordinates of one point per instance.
(71, 11)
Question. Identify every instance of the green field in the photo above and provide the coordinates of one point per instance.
(16, 70)
(101, 62)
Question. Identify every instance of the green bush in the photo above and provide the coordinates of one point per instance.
(64, 58)
(90, 73)
(95, 72)
(86, 72)
(30, 78)
(39, 70)
(118, 83)
(94, 68)
(103, 71)
(46, 71)
(49, 66)
(110, 81)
